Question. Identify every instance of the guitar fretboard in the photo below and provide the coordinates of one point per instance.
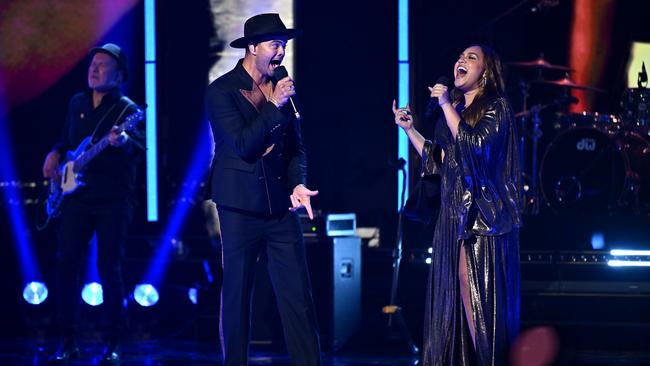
(85, 157)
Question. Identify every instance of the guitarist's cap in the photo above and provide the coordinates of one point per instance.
(117, 53)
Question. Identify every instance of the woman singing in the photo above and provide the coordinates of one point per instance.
(472, 310)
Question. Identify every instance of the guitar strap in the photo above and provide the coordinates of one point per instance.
(127, 103)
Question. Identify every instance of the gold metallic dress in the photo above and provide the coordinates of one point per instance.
(480, 207)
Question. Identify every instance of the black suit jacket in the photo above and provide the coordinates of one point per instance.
(245, 125)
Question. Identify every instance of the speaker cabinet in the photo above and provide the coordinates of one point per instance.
(335, 271)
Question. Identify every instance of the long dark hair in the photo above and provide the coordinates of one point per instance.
(491, 87)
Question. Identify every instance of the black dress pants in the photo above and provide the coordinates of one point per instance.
(80, 219)
(244, 236)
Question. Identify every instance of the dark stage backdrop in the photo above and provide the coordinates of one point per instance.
(346, 75)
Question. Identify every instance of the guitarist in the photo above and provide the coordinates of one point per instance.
(103, 205)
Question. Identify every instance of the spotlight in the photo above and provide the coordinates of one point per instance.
(192, 293)
(597, 240)
(145, 294)
(624, 252)
(92, 294)
(627, 263)
(35, 293)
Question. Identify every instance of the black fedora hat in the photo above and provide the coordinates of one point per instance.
(263, 27)
(114, 50)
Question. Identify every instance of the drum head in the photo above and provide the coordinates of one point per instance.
(583, 170)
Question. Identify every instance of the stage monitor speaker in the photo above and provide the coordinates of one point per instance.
(335, 271)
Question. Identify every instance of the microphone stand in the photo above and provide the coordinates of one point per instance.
(394, 311)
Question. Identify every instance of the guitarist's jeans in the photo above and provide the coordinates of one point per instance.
(79, 221)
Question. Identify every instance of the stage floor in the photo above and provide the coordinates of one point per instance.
(186, 353)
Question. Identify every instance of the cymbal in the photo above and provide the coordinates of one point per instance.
(567, 82)
(540, 63)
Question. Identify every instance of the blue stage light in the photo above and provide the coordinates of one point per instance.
(35, 293)
(152, 108)
(193, 294)
(200, 164)
(626, 252)
(92, 294)
(627, 263)
(403, 97)
(629, 258)
(145, 294)
(12, 202)
(597, 241)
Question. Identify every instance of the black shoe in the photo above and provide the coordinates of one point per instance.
(111, 357)
(67, 351)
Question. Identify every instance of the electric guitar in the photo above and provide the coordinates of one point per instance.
(76, 161)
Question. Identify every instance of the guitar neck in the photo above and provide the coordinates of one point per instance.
(129, 124)
(88, 155)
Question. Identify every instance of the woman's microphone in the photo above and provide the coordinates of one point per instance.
(433, 102)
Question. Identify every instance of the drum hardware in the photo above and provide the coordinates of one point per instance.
(635, 103)
(609, 123)
(532, 196)
(522, 116)
(568, 83)
(530, 128)
(586, 169)
(531, 199)
(597, 162)
(541, 64)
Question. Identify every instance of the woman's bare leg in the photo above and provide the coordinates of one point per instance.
(465, 293)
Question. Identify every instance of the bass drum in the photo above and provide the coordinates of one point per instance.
(586, 170)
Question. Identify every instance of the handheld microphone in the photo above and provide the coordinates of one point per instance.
(279, 73)
(433, 102)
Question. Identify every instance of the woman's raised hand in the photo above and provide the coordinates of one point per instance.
(403, 116)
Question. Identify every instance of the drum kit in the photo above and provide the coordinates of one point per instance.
(593, 162)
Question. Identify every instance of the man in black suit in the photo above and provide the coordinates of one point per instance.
(258, 182)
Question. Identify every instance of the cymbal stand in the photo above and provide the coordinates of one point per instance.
(531, 196)
(522, 127)
(536, 133)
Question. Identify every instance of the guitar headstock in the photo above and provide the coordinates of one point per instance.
(132, 120)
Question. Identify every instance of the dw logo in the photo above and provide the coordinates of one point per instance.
(586, 145)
